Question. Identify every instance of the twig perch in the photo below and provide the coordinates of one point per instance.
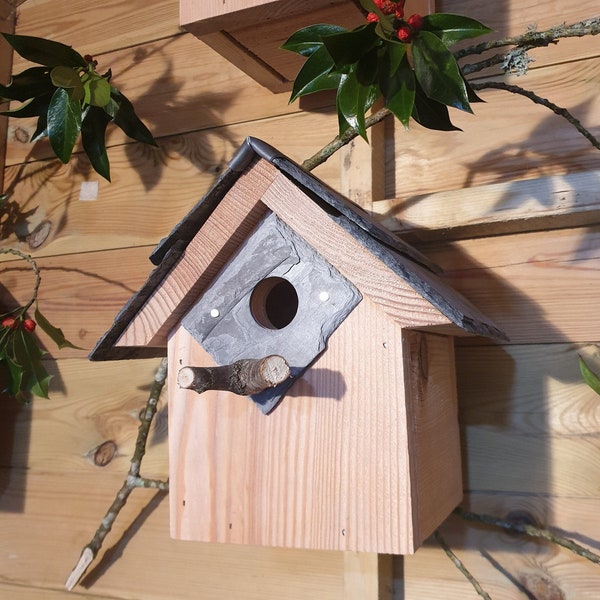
(244, 377)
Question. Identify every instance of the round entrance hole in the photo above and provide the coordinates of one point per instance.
(274, 303)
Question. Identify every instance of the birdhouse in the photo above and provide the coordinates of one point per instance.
(353, 443)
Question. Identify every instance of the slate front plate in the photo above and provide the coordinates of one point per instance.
(246, 314)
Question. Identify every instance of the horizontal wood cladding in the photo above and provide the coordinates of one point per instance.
(507, 139)
(95, 31)
(536, 287)
(63, 510)
(151, 189)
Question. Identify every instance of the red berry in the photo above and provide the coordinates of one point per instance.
(29, 325)
(10, 323)
(399, 12)
(415, 21)
(404, 34)
(372, 18)
(387, 7)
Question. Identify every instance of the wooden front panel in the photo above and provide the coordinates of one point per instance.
(327, 469)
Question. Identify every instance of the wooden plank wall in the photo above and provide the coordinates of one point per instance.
(530, 427)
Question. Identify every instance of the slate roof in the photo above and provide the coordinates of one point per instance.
(404, 260)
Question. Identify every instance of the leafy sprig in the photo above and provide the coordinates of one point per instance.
(410, 66)
(20, 351)
(70, 99)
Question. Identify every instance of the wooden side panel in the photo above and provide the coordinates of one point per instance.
(434, 438)
(328, 468)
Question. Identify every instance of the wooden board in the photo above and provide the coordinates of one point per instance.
(67, 509)
(92, 31)
(498, 208)
(508, 138)
(7, 18)
(151, 189)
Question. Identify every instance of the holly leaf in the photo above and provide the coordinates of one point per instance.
(27, 84)
(127, 120)
(99, 91)
(54, 333)
(350, 46)
(308, 40)
(93, 133)
(44, 52)
(314, 76)
(453, 28)
(399, 89)
(437, 72)
(15, 375)
(589, 376)
(430, 113)
(36, 107)
(353, 101)
(28, 354)
(64, 123)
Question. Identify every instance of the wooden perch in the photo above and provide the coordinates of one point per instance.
(244, 377)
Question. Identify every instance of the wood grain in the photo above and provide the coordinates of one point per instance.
(497, 208)
(151, 190)
(156, 78)
(92, 31)
(317, 472)
(537, 287)
(371, 276)
(67, 510)
(508, 138)
(238, 212)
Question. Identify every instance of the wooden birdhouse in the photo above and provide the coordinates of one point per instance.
(358, 449)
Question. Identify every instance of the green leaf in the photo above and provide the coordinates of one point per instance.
(453, 28)
(350, 46)
(64, 124)
(399, 91)
(313, 76)
(34, 108)
(99, 91)
(367, 68)
(589, 376)
(127, 120)
(438, 73)
(15, 375)
(27, 353)
(41, 129)
(65, 77)
(44, 52)
(353, 101)
(430, 113)
(27, 84)
(54, 333)
(308, 40)
(93, 133)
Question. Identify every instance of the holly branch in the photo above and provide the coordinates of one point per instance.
(515, 60)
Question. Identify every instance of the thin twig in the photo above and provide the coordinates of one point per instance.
(536, 39)
(36, 271)
(338, 142)
(132, 481)
(529, 530)
(558, 110)
(460, 565)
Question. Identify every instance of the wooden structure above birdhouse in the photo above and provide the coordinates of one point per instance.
(249, 33)
(359, 448)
